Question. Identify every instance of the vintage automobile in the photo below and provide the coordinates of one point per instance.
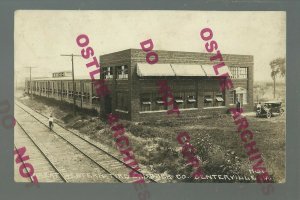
(268, 109)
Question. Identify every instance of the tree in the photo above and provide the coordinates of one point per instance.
(278, 68)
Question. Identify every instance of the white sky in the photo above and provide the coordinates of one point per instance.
(41, 36)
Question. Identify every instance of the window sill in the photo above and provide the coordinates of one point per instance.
(215, 107)
(153, 111)
(159, 111)
(186, 109)
(122, 111)
(239, 78)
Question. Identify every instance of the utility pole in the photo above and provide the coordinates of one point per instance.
(73, 81)
(30, 80)
(274, 85)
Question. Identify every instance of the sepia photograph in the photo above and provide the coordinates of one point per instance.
(149, 96)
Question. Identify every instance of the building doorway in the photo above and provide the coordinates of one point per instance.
(240, 94)
(107, 104)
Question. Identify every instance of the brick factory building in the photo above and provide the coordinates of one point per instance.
(134, 90)
(190, 75)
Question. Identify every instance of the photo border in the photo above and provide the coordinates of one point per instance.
(288, 190)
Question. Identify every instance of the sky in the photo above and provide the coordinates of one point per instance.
(42, 36)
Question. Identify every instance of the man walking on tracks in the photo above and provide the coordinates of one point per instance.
(50, 122)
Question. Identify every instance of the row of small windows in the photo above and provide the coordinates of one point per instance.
(65, 89)
(239, 72)
(121, 72)
(182, 100)
(154, 101)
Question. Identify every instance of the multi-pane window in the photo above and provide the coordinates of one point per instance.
(243, 72)
(145, 100)
(59, 88)
(208, 100)
(70, 85)
(86, 94)
(50, 87)
(239, 72)
(64, 89)
(158, 103)
(122, 72)
(219, 100)
(179, 99)
(234, 72)
(107, 72)
(191, 100)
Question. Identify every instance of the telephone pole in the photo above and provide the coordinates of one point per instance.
(73, 81)
(30, 67)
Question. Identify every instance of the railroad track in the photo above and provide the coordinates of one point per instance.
(45, 169)
(111, 165)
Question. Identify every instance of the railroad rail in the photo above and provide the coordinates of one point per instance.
(107, 162)
(55, 174)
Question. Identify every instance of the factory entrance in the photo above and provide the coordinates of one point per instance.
(241, 95)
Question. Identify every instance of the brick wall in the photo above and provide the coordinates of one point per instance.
(134, 86)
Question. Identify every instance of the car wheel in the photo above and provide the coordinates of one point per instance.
(269, 115)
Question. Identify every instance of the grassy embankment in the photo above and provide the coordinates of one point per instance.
(154, 143)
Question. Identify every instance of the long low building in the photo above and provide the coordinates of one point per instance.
(134, 90)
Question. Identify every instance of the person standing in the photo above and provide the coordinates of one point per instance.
(258, 107)
(50, 122)
(238, 106)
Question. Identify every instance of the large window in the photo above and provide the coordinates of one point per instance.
(122, 72)
(239, 72)
(107, 72)
(243, 72)
(234, 72)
